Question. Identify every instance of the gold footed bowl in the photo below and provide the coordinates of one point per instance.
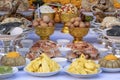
(44, 32)
(66, 18)
(78, 33)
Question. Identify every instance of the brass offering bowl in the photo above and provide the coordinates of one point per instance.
(44, 32)
(66, 17)
(78, 33)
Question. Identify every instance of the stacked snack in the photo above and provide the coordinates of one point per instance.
(78, 27)
(42, 64)
(110, 61)
(13, 59)
(43, 22)
(77, 22)
(43, 46)
(83, 66)
(44, 27)
(83, 47)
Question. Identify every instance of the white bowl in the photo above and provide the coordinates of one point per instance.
(63, 42)
(42, 74)
(81, 75)
(27, 43)
(60, 60)
(64, 51)
(14, 70)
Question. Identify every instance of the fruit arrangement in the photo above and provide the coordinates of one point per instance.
(13, 59)
(42, 64)
(110, 61)
(43, 22)
(78, 23)
(68, 8)
(83, 66)
(5, 69)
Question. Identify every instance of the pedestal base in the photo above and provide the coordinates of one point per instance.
(44, 37)
(65, 29)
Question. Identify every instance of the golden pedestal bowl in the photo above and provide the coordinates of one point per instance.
(78, 33)
(44, 32)
(66, 17)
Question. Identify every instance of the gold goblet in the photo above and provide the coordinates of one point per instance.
(66, 17)
(44, 32)
(78, 33)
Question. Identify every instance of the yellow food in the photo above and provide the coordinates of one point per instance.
(116, 3)
(13, 59)
(13, 54)
(110, 57)
(42, 64)
(110, 61)
(83, 66)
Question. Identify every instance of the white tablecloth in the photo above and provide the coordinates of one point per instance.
(91, 37)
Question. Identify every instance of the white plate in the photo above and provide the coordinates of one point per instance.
(42, 74)
(15, 70)
(111, 69)
(81, 75)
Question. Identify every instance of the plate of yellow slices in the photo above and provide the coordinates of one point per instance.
(42, 66)
(82, 67)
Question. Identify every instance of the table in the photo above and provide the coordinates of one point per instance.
(91, 37)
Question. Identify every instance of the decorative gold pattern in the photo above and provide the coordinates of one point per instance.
(78, 33)
(44, 32)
